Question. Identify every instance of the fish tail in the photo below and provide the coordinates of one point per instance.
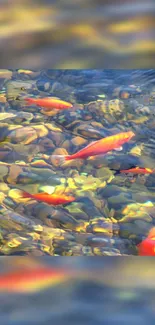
(24, 100)
(67, 157)
(28, 100)
(61, 159)
(26, 195)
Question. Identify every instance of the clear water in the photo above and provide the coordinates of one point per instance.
(112, 213)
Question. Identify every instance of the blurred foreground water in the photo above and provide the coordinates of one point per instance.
(77, 34)
(96, 291)
(112, 213)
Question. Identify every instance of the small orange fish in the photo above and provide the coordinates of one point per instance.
(137, 170)
(31, 280)
(124, 95)
(147, 246)
(99, 147)
(48, 103)
(51, 199)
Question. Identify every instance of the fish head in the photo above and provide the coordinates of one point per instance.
(129, 135)
(69, 105)
(123, 138)
(69, 199)
(149, 171)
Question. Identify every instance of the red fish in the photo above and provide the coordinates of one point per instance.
(51, 199)
(136, 171)
(100, 147)
(31, 280)
(147, 246)
(124, 95)
(48, 103)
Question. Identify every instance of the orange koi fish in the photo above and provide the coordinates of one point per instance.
(138, 170)
(135, 170)
(147, 246)
(124, 95)
(51, 199)
(99, 147)
(31, 280)
(48, 103)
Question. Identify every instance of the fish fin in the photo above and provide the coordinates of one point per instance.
(119, 149)
(97, 156)
(61, 159)
(151, 233)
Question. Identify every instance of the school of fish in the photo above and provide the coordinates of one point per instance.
(95, 148)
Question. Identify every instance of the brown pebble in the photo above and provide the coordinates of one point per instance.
(66, 144)
(13, 173)
(58, 151)
(78, 141)
(2, 99)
